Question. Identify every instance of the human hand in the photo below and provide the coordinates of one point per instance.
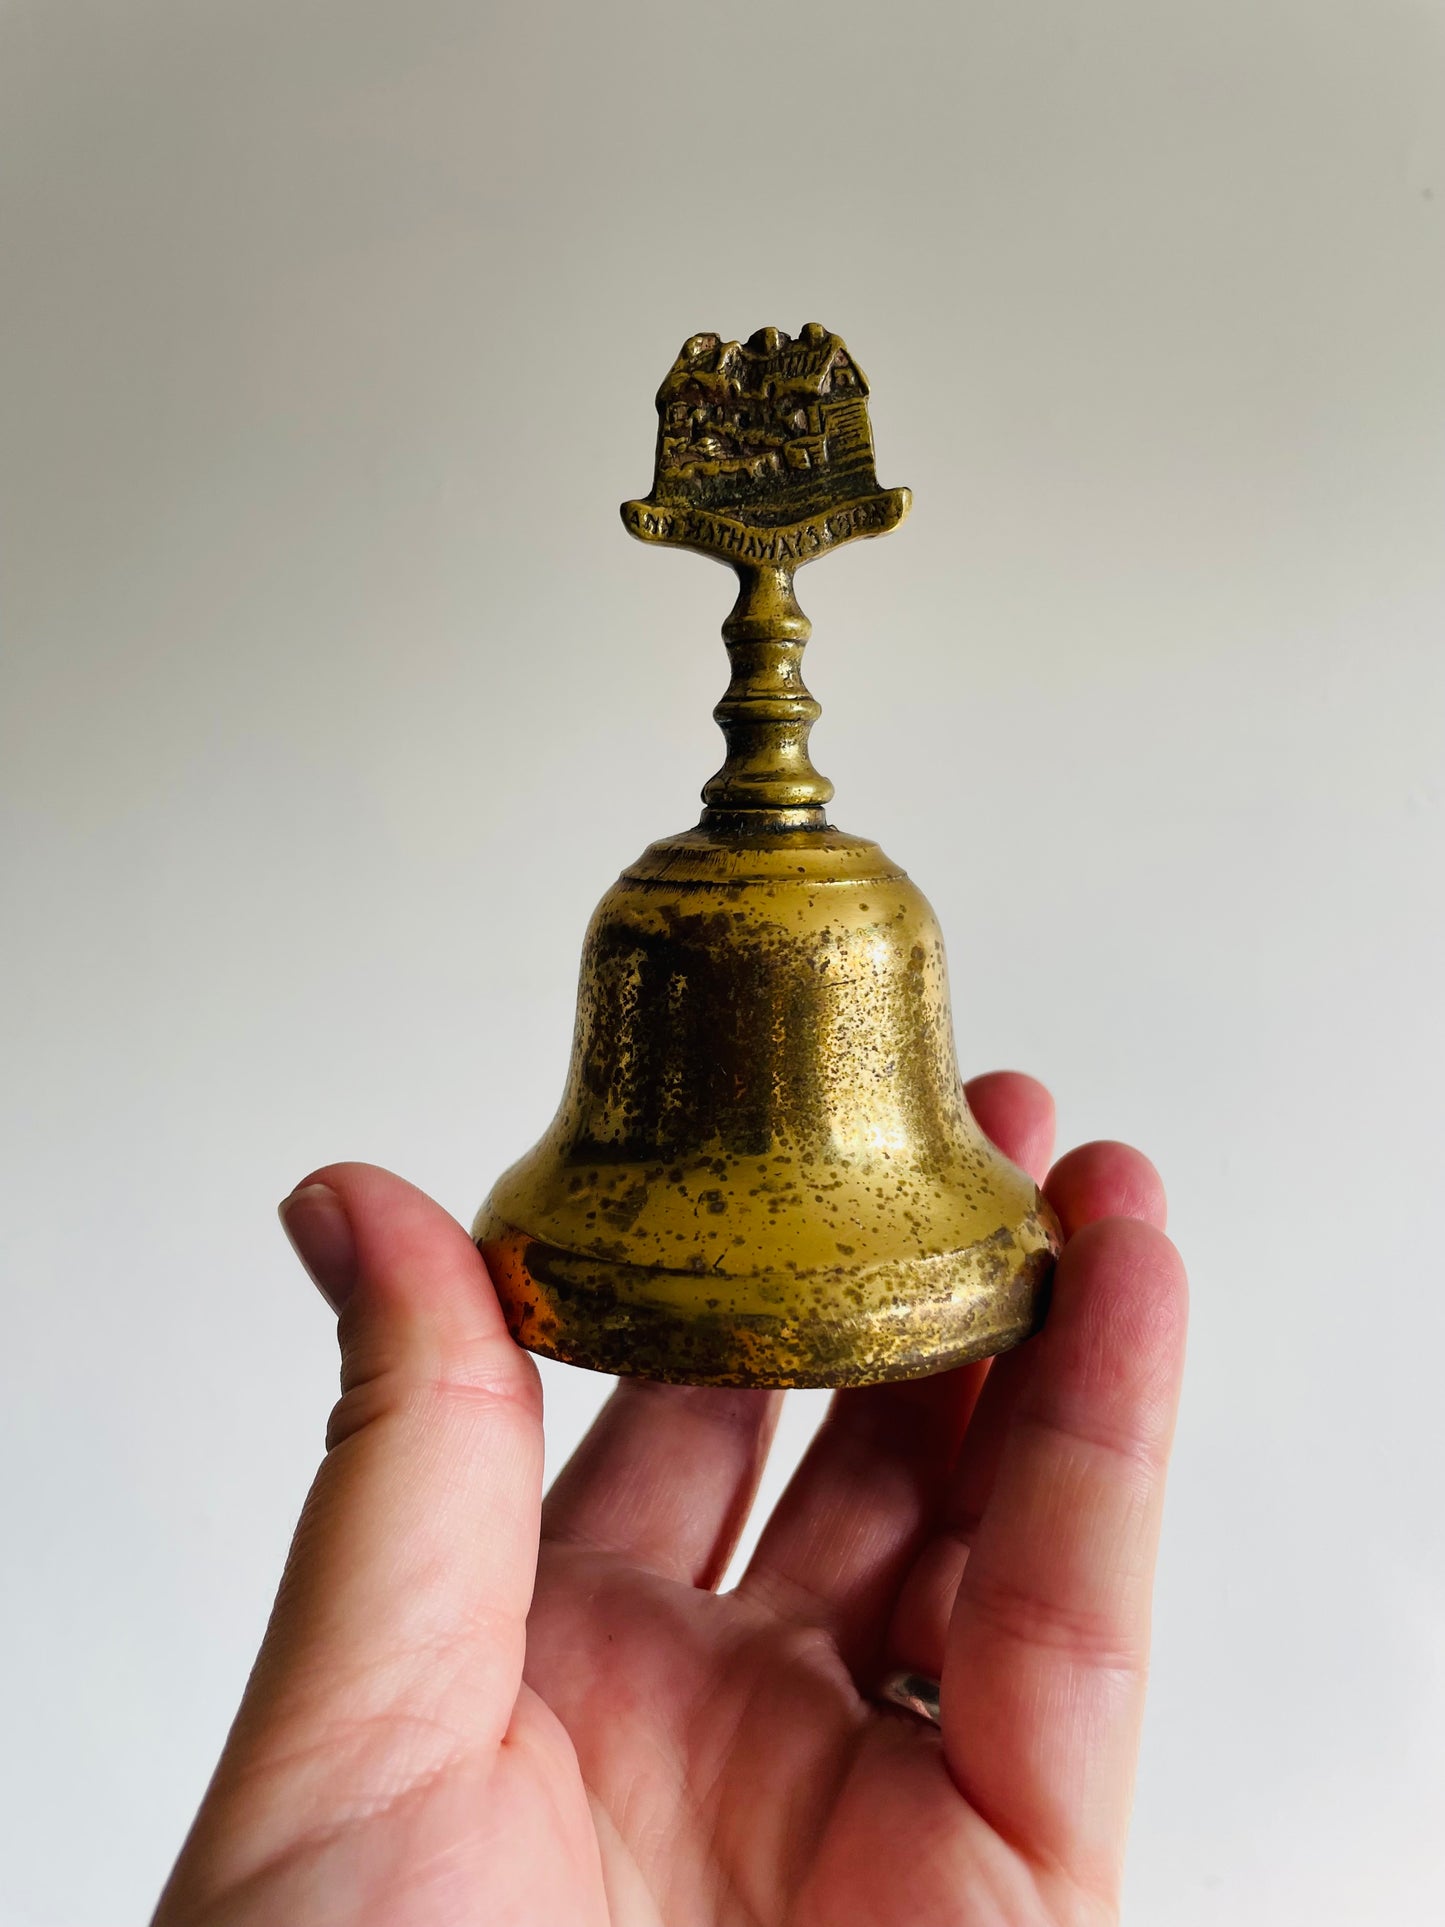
(447, 1726)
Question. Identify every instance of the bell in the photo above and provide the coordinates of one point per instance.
(764, 1171)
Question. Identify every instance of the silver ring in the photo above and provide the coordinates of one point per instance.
(914, 1692)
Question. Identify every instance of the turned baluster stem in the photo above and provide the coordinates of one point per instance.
(766, 714)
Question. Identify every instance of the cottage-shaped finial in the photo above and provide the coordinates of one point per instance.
(765, 461)
(764, 451)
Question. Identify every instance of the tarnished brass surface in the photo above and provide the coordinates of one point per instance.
(763, 1171)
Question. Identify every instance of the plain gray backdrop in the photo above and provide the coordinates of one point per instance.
(336, 694)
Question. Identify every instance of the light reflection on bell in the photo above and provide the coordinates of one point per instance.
(763, 1170)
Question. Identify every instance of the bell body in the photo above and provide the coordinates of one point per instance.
(763, 1170)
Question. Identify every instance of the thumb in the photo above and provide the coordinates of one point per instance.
(397, 1639)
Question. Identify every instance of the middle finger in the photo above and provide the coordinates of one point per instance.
(850, 1523)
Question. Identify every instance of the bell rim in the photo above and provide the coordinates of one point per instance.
(899, 1319)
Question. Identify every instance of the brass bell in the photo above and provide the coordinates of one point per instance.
(764, 1171)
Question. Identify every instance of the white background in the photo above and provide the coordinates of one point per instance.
(336, 694)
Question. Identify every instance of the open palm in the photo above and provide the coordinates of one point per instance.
(447, 1725)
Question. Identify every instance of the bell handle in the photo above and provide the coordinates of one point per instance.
(766, 713)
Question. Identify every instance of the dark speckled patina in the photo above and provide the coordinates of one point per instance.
(763, 1170)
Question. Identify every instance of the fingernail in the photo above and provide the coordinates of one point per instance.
(315, 1221)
